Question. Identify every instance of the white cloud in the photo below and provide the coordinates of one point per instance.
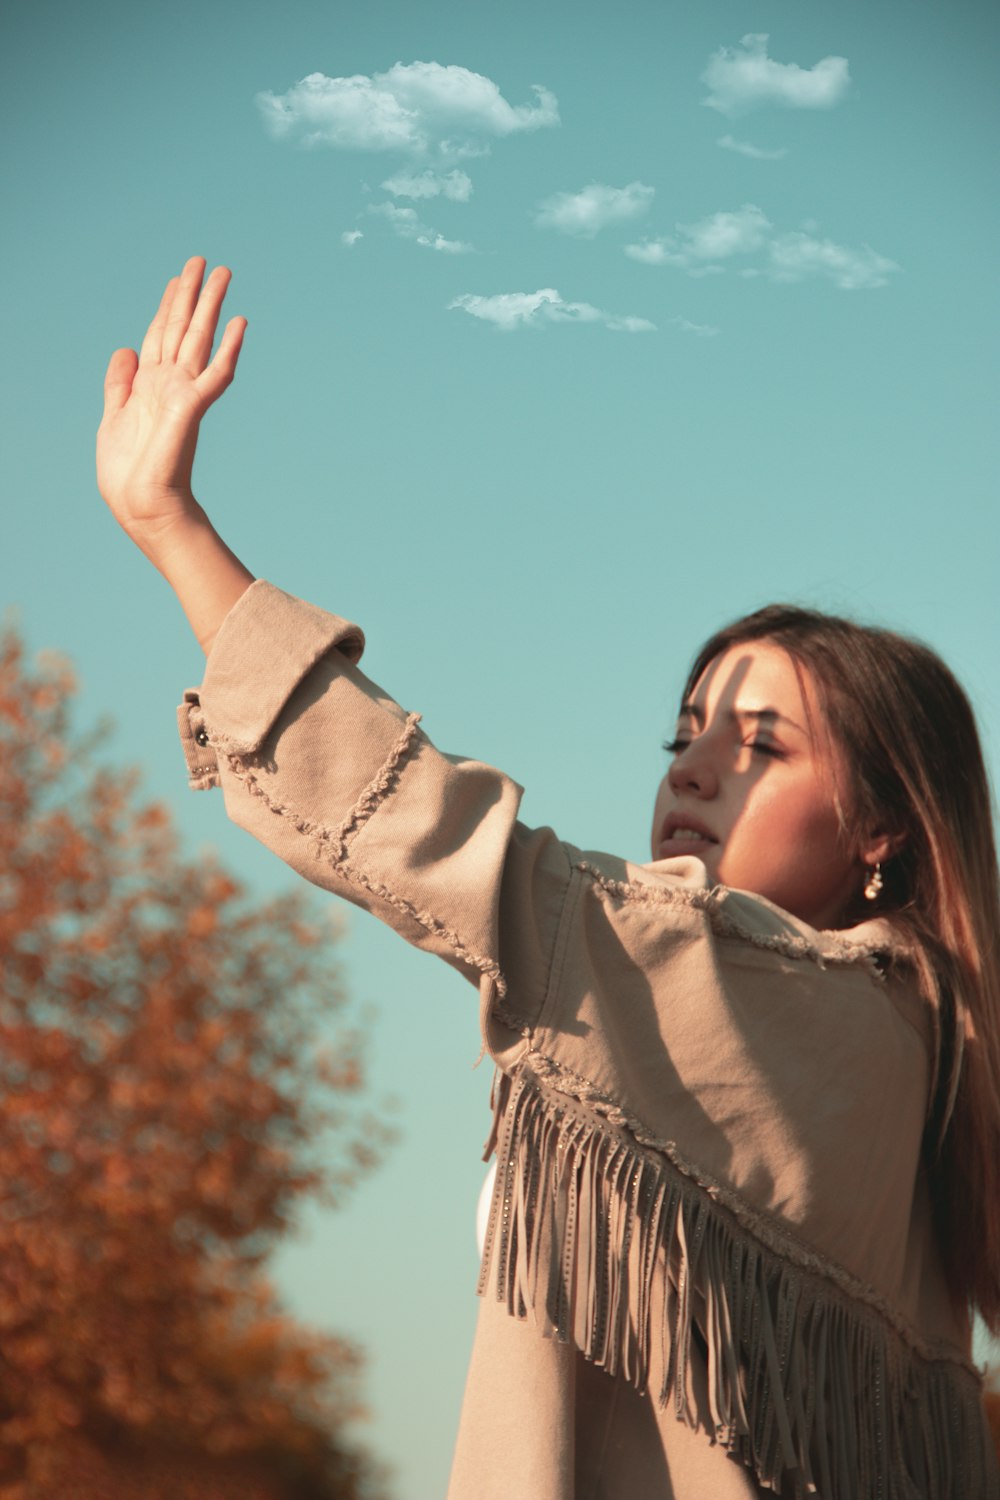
(703, 330)
(627, 324)
(510, 310)
(698, 249)
(725, 234)
(795, 256)
(594, 207)
(435, 241)
(747, 148)
(407, 224)
(454, 185)
(654, 253)
(414, 107)
(740, 78)
(350, 237)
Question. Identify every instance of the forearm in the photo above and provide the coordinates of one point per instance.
(205, 575)
(345, 788)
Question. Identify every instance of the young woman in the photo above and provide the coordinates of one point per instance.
(747, 1107)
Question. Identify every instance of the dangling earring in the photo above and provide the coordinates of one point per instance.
(874, 883)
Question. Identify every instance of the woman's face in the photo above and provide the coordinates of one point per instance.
(752, 794)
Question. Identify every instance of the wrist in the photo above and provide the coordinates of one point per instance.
(159, 539)
(205, 575)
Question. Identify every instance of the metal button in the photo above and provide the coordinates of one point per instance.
(201, 735)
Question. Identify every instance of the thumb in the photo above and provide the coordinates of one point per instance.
(118, 380)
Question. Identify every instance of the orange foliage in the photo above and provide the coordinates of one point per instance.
(162, 1109)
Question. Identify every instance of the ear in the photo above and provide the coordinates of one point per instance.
(879, 847)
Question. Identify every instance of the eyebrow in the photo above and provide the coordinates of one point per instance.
(764, 716)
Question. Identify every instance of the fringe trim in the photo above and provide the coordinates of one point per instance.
(813, 1390)
(763, 1226)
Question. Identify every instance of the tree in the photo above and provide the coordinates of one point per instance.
(164, 1109)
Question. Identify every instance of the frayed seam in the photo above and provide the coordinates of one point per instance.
(488, 966)
(367, 803)
(723, 924)
(378, 788)
(323, 838)
(513, 1020)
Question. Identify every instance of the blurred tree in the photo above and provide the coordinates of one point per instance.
(164, 1108)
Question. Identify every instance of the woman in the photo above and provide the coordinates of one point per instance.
(747, 1122)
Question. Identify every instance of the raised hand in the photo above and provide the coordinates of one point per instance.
(154, 403)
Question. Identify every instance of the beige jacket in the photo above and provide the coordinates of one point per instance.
(709, 1270)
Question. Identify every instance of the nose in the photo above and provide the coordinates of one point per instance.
(691, 771)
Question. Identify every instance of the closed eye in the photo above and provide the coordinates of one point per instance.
(674, 747)
(761, 747)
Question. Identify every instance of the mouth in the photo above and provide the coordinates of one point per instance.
(684, 834)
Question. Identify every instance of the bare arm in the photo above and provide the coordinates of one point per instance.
(153, 406)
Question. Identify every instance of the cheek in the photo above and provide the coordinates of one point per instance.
(660, 806)
(794, 829)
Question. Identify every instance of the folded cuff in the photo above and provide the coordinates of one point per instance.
(266, 645)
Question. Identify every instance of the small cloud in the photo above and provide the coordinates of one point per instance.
(725, 234)
(747, 148)
(593, 208)
(698, 249)
(654, 253)
(510, 310)
(434, 241)
(350, 237)
(665, 252)
(629, 324)
(454, 185)
(792, 257)
(703, 330)
(415, 108)
(406, 223)
(741, 78)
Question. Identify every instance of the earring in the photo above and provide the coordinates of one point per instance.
(874, 883)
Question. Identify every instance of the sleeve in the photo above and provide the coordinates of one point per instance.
(316, 762)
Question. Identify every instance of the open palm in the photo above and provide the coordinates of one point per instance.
(154, 402)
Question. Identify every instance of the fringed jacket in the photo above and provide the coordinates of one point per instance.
(710, 1270)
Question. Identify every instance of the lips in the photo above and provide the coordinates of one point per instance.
(683, 833)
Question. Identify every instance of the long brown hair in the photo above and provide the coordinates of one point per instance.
(915, 765)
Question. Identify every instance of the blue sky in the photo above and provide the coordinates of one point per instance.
(573, 332)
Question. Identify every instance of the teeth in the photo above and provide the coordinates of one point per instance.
(686, 833)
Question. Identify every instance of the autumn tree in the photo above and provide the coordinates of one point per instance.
(164, 1110)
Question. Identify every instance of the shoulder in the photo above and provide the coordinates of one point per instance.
(681, 887)
(664, 931)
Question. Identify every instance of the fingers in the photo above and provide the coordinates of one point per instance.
(118, 380)
(196, 347)
(214, 380)
(182, 332)
(152, 343)
(178, 316)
